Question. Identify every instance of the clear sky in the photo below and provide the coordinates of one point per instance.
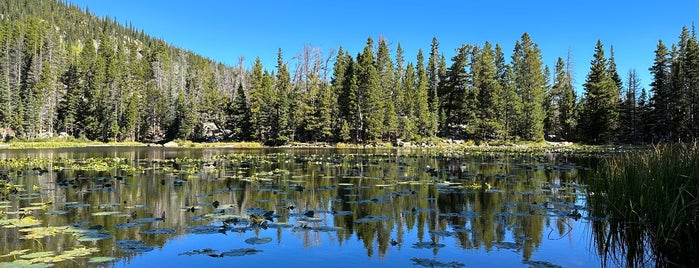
(224, 30)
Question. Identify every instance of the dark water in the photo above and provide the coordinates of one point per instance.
(171, 207)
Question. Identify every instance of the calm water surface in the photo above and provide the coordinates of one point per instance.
(165, 207)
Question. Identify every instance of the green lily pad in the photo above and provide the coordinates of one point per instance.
(258, 241)
(240, 252)
(101, 259)
(157, 231)
(373, 219)
(505, 245)
(205, 229)
(127, 225)
(15, 252)
(133, 246)
(22, 263)
(541, 264)
(280, 225)
(428, 245)
(434, 263)
(40, 254)
(205, 251)
(80, 252)
(93, 236)
(107, 213)
(326, 228)
(57, 212)
(145, 220)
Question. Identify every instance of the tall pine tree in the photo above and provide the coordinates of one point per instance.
(600, 117)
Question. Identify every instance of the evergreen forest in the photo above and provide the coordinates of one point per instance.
(67, 72)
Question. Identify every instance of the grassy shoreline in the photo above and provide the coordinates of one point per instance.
(652, 198)
(499, 146)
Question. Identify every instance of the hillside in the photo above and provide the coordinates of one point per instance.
(66, 71)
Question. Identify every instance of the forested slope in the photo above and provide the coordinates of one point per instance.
(66, 71)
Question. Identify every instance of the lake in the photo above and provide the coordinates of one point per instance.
(177, 207)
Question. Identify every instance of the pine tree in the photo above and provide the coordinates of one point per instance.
(407, 120)
(384, 70)
(629, 111)
(601, 117)
(423, 115)
(489, 94)
(568, 107)
(661, 100)
(240, 117)
(553, 125)
(369, 95)
(511, 103)
(453, 91)
(282, 128)
(692, 63)
(434, 75)
(530, 85)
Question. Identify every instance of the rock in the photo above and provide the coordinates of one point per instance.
(171, 144)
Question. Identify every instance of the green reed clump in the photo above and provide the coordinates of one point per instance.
(651, 198)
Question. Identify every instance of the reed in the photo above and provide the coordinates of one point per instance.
(650, 197)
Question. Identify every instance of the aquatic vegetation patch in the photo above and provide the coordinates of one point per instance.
(435, 263)
(428, 245)
(133, 246)
(373, 219)
(158, 231)
(541, 264)
(258, 241)
(214, 253)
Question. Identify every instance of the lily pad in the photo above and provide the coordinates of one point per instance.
(240, 252)
(541, 264)
(35, 255)
(57, 212)
(102, 259)
(22, 263)
(258, 241)
(280, 225)
(205, 229)
(158, 231)
(373, 219)
(428, 245)
(93, 236)
(205, 251)
(133, 246)
(434, 263)
(15, 252)
(107, 213)
(127, 225)
(505, 245)
(145, 220)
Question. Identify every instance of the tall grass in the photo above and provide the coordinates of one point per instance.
(651, 198)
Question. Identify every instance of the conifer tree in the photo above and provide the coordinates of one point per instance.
(553, 125)
(423, 114)
(600, 114)
(453, 92)
(489, 94)
(385, 72)
(369, 92)
(530, 85)
(661, 87)
(240, 117)
(282, 127)
(629, 111)
(435, 71)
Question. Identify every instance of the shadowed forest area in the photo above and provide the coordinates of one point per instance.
(66, 72)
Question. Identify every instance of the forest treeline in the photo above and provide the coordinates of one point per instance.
(66, 71)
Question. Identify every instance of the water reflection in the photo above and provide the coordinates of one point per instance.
(396, 205)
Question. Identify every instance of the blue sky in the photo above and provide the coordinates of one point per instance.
(224, 30)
